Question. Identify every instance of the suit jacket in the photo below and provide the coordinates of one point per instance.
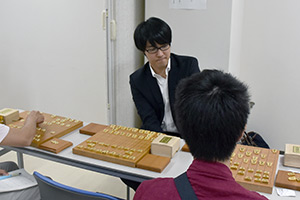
(146, 93)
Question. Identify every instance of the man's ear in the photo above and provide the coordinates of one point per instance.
(242, 133)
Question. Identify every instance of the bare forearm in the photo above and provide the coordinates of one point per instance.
(24, 136)
(19, 137)
(27, 134)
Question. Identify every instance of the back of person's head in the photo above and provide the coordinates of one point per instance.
(211, 110)
(153, 30)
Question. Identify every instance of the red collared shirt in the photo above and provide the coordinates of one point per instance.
(209, 180)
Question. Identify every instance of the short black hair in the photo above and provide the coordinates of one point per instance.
(211, 111)
(153, 30)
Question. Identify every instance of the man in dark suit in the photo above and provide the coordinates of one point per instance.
(153, 86)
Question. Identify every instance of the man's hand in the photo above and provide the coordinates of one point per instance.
(35, 117)
(24, 136)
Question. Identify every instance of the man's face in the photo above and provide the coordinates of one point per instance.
(158, 56)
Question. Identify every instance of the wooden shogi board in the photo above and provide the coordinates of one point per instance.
(53, 127)
(287, 179)
(118, 144)
(254, 168)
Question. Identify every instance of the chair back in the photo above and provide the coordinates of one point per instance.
(52, 190)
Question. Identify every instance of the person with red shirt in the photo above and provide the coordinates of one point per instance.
(211, 111)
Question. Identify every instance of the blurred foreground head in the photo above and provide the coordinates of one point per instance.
(211, 111)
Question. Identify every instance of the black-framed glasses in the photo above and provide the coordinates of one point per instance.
(153, 50)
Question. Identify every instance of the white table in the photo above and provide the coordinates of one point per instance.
(179, 163)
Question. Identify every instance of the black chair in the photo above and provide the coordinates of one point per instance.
(52, 190)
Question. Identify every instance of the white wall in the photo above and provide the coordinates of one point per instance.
(129, 14)
(204, 34)
(126, 59)
(256, 40)
(53, 57)
(269, 64)
(236, 33)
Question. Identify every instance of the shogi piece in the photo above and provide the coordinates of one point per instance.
(53, 127)
(185, 148)
(165, 145)
(292, 155)
(8, 115)
(92, 129)
(153, 163)
(55, 145)
(118, 144)
(287, 179)
(254, 168)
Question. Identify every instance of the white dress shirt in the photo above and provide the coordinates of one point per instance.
(168, 122)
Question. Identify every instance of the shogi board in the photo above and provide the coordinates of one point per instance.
(118, 144)
(287, 179)
(254, 168)
(53, 127)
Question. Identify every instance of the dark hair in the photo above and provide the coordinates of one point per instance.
(154, 30)
(211, 111)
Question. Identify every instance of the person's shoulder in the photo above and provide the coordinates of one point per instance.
(157, 183)
(4, 128)
(139, 72)
(159, 188)
(3, 131)
(256, 195)
(3, 125)
(185, 63)
(183, 57)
